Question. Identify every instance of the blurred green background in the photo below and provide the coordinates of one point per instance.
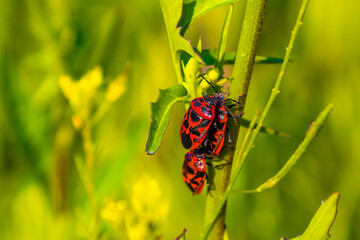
(48, 192)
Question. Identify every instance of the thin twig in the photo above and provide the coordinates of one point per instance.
(310, 135)
(250, 129)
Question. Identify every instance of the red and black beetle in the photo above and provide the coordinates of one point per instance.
(194, 171)
(198, 119)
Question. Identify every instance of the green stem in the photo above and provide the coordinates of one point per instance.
(246, 52)
(222, 45)
(86, 172)
(275, 90)
(254, 14)
(88, 145)
(238, 85)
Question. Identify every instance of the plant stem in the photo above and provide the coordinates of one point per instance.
(310, 135)
(243, 67)
(88, 146)
(238, 85)
(86, 173)
(275, 90)
(245, 55)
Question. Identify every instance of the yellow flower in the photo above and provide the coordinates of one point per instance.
(77, 121)
(81, 94)
(116, 88)
(137, 230)
(140, 217)
(113, 212)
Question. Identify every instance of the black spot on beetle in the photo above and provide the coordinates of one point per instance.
(204, 110)
(190, 170)
(204, 123)
(186, 124)
(195, 183)
(190, 187)
(195, 132)
(186, 140)
(197, 104)
(200, 174)
(194, 117)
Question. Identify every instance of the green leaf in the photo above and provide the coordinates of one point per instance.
(321, 223)
(209, 57)
(268, 60)
(193, 9)
(160, 112)
(223, 39)
(178, 44)
(271, 131)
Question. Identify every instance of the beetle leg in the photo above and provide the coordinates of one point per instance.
(228, 133)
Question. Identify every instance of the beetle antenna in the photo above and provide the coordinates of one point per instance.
(231, 114)
(210, 84)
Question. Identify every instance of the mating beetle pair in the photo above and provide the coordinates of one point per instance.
(203, 133)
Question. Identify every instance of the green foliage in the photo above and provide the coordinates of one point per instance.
(72, 161)
(161, 110)
(209, 57)
(242, 70)
(222, 45)
(178, 43)
(323, 219)
(191, 10)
